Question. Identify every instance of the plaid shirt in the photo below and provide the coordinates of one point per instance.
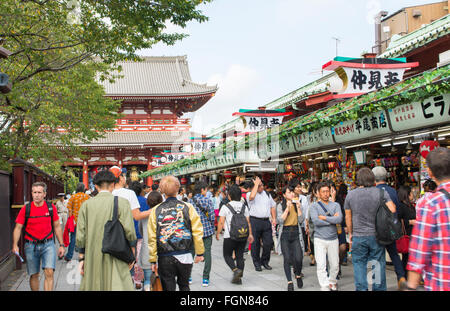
(208, 219)
(429, 248)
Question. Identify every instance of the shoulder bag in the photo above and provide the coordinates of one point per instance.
(114, 240)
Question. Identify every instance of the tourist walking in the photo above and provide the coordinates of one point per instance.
(309, 225)
(138, 189)
(74, 205)
(290, 218)
(380, 180)
(101, 271)
(63, 212)
(361, 205)
(39, 222)
(342, 234)
(230, 245)
(205, 208)
(262, 209)
(174, 228)
(154, 198)
(325, 215)
(429, 248)
(406, 214)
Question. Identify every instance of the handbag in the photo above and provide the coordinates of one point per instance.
(403, 243)
(114, 240)
(155, 283)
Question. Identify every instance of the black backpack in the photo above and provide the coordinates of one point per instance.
(27, 216)
(239, 228)
(388, 228)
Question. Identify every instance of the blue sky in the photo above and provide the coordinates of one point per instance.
(259, 50)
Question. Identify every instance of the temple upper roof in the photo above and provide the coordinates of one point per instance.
(156, 77)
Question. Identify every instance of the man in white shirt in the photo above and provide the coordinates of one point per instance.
(121, 191)
(261, 209)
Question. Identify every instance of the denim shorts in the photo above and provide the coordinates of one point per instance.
(40, 254)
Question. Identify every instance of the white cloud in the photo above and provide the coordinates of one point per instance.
(235, 87)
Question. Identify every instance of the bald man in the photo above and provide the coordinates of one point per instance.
(173, 228)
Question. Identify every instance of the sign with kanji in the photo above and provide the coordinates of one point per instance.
(367, 80)
(433, 110)
(365, 75)
(256, 124)
(316, 139)
(260, 120)
(369, 126)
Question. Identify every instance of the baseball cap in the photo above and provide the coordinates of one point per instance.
(117, 171)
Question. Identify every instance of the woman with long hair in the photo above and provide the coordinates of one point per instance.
(290, 217)
(406, 214)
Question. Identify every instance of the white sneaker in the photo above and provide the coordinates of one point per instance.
(333, 287)
(146, 288)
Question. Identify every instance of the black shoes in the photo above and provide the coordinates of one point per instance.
(267, 267)
(258, 268)
(237, 275)
(290, 287)
(299, 282)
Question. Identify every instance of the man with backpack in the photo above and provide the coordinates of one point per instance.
(429, 248)
(174, 228)
(262, 210)
(205, 208)
(380, 180)
(234, 217)
(40, 222)
(361, 208)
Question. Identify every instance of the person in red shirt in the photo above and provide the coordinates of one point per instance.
(39, 237)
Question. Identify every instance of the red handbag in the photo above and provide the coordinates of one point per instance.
(403, 242)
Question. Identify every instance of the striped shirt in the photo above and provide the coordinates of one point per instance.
(429, 248)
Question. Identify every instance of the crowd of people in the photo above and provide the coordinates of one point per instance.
(169, 228)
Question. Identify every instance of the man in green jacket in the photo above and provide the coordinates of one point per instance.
(102, 272)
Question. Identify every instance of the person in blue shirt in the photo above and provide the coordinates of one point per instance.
(380, 179)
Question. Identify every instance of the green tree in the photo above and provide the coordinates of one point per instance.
(61, 48)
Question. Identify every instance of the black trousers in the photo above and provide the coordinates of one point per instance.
(292, 251)
(229, 246)
(172, 272)
(261, 230)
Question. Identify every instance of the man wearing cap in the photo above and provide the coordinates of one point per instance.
(121, 191)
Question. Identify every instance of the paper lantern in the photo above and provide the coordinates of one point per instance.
(183, 180)
(427, 146)
(227, 174)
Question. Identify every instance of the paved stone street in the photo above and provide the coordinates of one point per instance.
(68, 279)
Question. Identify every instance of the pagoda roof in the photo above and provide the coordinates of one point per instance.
(156, 77)
(140, 138)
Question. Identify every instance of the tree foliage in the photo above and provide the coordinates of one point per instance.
(60, 50)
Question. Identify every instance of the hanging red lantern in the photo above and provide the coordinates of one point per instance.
(427, 146)
(183, 180)
(227, 175)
